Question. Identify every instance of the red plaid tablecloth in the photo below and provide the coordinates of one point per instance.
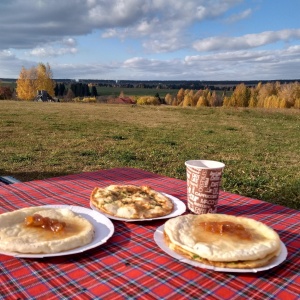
(130, 265)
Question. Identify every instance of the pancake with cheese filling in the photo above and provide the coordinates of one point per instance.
(68, 230)
(131, 202)
(222, 240)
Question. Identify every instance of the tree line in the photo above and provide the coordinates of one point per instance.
(75, 89)
(268, 95)
(40, 78)
(264, 95)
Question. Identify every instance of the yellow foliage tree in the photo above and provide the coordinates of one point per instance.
(240, 96)
(174, 102)
(290, 92)
(169, 99)
(272, 101)
(180, 96)
(196, 96)
(36, 78)
(253, 97)
(283, 103)
(296, 90)
(26, 84)
(226, 101)
(264, 91)
(187, 100)
(148, 100)
(297, 103)
(213, 99)
(44, 79)
(202, 101)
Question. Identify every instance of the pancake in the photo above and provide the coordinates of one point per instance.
(131, 202)
(17, 236)
(222, 240)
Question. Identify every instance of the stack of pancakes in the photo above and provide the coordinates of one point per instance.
(222, 240)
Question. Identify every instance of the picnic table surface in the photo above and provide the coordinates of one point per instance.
(130, 264)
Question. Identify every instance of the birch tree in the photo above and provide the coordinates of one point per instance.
(25, 84)
(44, 79)
(33, 79)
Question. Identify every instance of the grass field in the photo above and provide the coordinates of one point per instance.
(115, 91)
(259, 147)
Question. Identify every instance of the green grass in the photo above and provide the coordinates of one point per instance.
(259, 147)
(115, 91)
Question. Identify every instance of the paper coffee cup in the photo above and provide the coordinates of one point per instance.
(203, 184)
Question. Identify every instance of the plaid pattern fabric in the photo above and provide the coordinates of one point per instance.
(130, 265)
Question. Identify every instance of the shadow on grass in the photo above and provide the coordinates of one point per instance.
(28, 176)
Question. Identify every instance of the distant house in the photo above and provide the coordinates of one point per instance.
(43, 96)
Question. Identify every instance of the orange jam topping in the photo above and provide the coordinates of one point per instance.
(37, 220)
(228, 228)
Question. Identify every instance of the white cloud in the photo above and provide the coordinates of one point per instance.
(51, 51)
(164, 24)
(153, 68)
(247, 41)
(63, 47)
(255, 64)
(229, 65)
(240, 16)
(11, 64)
(70, 42)
(33, 24)
(51, 29)
(79, 71)
(6, 54)
(109, 33)
(164, 45)
(226, 65)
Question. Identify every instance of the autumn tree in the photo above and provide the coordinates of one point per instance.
(34, 79)
(168, 98)
(264, 91)
(213, 99)
(148, 100)
(289, 92)
(253, 97)
(180, 95)
(187, 100)
(26, 84)
(241, 96)
(296, 94)
(44, 79)
(226, 101)
(202, 101)
(204, 98)
(194, 96)
(297, 103)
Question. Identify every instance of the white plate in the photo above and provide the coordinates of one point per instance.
(159, 239)
(179, 209)
(104, 229)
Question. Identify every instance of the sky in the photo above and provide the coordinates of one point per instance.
(152, 39)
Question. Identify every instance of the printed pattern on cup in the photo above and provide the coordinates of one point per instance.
(203, 189)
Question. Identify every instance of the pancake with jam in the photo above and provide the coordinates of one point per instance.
(222, 240)
(43, 230)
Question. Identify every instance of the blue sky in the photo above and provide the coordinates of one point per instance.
(152, 39)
